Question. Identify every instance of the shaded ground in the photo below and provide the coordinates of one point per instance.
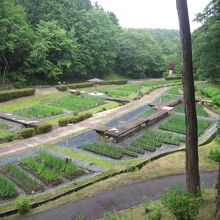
(118, 199)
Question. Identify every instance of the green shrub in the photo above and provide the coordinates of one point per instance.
(62, 88)
(6, 136)
(23, 204)
(183, 205)
(213, 93)
(15, 93)
(114, 82)
(173, 77)
(7, 188)
(44, 128)
(80, 85)
(215, 155)
(74, 119)
(26, 132)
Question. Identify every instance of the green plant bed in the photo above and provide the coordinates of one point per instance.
(170, 94)
(21, 178)
(154, 138)
(199, 110)
(49, 168)
(47, 175)
(128, 89)
(77, 103)
(7, 188)
(176, 124)
(147, 112)
(105, 149)
(39, 111)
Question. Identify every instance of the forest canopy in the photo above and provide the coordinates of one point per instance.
(47, 41)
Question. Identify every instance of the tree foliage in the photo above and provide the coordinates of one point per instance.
(206, 43)
(68, 39)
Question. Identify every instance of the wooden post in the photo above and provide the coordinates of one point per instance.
(192, 159)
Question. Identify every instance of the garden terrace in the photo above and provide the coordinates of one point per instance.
(176, 123)
(106, 149)
(153, 139)
(21, 178)
(125, 129)
(50, 169)
(77, 103)
(199, 110)
(171, 103)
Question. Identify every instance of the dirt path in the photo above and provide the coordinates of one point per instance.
(79, 127)
(120, 198)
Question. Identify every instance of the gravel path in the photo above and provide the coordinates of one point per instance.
(90, 123)
(116, 199)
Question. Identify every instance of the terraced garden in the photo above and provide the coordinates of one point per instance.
(199, 110)
(31, 174)
(176, 123)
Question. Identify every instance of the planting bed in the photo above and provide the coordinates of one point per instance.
(21, 178)
(170, 94)
(109, 150)
(50, 169)
(128, 89)
(176, 123)
(7, 188)
(199, 110)
(77, 103)
(154, 138)
(39, 111)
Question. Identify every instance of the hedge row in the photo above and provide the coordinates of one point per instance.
(213, 93)
(26, 133)
(89, 84)
(62, 88)
(74, 119)
(15, 93)
(173, 77)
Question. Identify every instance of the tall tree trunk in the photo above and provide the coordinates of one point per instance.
(218, 196)
(5, 70)
(192, 159)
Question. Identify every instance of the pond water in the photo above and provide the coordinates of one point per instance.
(9, 125)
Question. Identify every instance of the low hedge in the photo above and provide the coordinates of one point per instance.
(173, 77)
(114, 82)
(15, 93)
(74, 119)
(26, 133)
(62, 88)
(80, 85)
(8, 138)
(90, 84)
(44, 128)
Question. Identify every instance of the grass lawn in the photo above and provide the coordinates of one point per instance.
(77, 103)
(39, 111)
(206, 212)
(176, 123)
(199, 110)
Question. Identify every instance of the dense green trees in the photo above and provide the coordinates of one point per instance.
(206, 43)
(53, 40)
(140, 56)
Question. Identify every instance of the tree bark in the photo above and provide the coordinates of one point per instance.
(192, 159)
(218, 196)
(5, 70)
